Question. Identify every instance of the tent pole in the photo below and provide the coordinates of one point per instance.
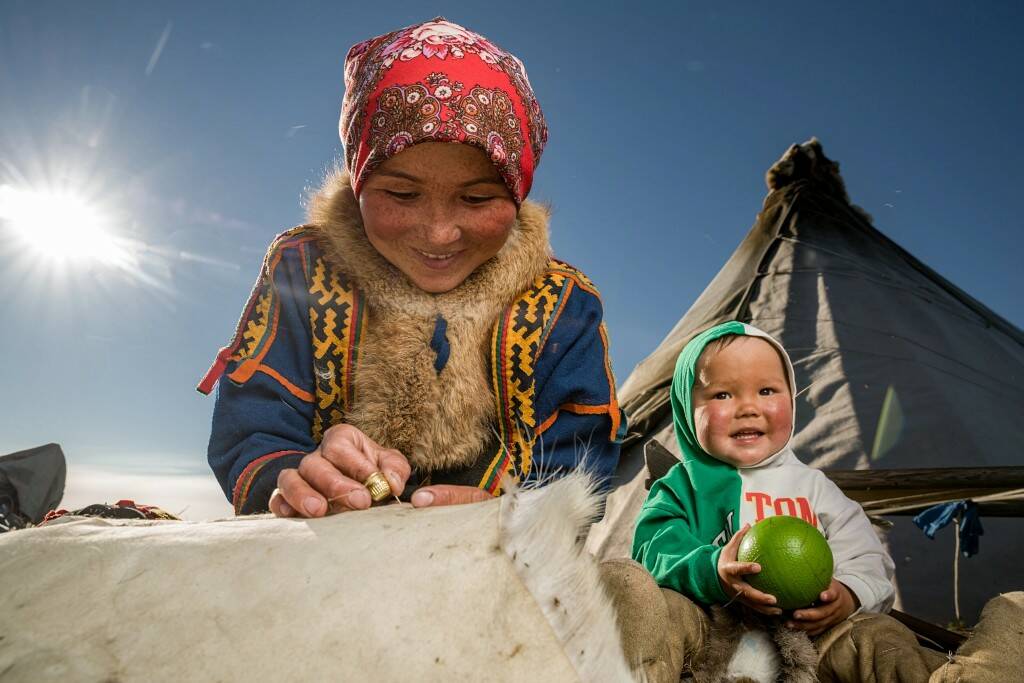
(956, 569)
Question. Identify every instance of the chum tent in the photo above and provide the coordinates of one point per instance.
(898, 369)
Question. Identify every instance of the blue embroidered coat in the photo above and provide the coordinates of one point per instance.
(330, 332)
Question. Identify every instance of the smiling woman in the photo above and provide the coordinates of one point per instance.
(61, 226)
(418, 326)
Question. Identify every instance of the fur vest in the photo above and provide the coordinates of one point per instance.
(440, 419)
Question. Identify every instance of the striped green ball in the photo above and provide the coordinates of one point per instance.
(796, 562)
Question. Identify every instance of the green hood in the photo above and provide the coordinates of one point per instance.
(690, 513)
(681, 394)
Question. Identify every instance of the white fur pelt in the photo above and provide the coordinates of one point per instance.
(745, 646)
(542, 532)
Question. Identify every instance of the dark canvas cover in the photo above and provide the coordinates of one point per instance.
(38, 478)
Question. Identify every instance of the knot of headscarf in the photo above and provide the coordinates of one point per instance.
(439, 82)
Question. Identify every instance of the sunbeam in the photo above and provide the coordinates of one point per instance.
(61, 226)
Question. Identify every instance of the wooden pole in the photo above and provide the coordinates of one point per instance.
(956, 569)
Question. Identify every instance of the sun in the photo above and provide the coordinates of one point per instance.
(61, 226)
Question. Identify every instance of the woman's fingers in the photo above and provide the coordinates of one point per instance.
(299, 495)
(340, 492)
(278, 506)
(445, 494)
(395, 467)
(330, 479)
(357, 456)
(316, 487)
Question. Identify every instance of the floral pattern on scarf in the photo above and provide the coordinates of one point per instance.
(438, 81)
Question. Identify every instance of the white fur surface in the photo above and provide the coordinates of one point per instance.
(542, 532)
(756, 657)
(386, 594)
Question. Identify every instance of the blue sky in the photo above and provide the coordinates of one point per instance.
(197, 128)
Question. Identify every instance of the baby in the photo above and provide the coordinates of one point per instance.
(733, 402)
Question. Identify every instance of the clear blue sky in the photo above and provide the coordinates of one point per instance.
(198, 126)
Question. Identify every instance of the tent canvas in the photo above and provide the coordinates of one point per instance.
(900, 369)
(37, 476)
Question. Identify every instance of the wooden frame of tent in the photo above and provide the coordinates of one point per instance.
(997, 491)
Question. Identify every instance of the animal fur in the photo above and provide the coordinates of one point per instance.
(542, 532)
(807, 162)
(439, 420)
(797, 659)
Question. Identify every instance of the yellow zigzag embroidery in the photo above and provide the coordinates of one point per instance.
(335, 319)
(518, 339)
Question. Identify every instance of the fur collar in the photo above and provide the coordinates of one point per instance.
(439, 420)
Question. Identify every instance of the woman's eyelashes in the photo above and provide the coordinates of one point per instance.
(410, 195)
(404, 195)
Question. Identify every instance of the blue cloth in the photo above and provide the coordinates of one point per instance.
(439, 343)
(939, 516)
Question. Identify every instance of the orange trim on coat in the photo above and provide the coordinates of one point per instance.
(298, 393)
(248, 367)
(579, 409)
(616, 414)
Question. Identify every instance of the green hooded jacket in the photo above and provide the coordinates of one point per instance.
(692, 511)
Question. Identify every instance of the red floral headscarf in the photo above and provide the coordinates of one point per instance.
(439, 82)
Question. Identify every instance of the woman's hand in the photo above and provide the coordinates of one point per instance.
(731, 573)
(447, 494)
(330, 479)
(837, 603)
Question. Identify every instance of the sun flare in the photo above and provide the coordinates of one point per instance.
(61, 226)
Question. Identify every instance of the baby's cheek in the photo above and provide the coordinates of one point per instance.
(780, 414)
(700, 426)
(715, 425)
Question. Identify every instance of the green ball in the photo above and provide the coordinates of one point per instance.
(796, 562)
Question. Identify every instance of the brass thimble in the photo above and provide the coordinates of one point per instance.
(379, 486)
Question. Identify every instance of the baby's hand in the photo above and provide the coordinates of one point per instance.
(731, 573)
(837, 603)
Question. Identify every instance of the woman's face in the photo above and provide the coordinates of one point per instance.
(437, 211)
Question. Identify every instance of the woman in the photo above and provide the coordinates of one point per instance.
(417, 326)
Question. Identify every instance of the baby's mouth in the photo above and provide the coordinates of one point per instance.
(747, 435)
